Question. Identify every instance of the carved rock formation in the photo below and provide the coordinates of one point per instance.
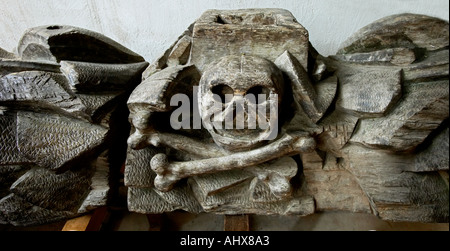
(371, 120)
(62, 100)
(241, 115)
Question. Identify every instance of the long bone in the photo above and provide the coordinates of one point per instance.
(170, 173)
(279, 183)
(195, 148)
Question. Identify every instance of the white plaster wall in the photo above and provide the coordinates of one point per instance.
(148, 27)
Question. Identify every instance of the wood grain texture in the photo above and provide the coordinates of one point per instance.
(260, 32)
(377, 113)
(402, 30)
(62, 108)
(237, 223)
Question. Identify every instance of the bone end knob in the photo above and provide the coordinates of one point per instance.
(159, 163)
(165, 179)
(137, 141)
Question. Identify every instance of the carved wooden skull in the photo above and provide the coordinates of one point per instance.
(224, 97)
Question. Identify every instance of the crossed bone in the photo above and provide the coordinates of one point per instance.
(206, 160)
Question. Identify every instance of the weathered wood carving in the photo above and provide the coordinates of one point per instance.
(62, 104)
(365, 130)
(241, 115)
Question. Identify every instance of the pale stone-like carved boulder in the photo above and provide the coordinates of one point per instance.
(360, 131)
(404, 31)
(387, 154)
(62, 106)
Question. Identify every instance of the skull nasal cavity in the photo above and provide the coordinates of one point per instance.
(221, 90)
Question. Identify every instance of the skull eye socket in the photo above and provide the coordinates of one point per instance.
(260, 93)
(221, 90)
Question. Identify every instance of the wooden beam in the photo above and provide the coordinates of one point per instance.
(237, 223)
(77, 224)
(97, 219)
(155, 222)
(89, 222)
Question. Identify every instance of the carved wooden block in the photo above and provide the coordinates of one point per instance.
(241, 115)
(366, 128)
(260, 32)
(62, 100)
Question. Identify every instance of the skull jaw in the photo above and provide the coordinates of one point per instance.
(235, 142)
